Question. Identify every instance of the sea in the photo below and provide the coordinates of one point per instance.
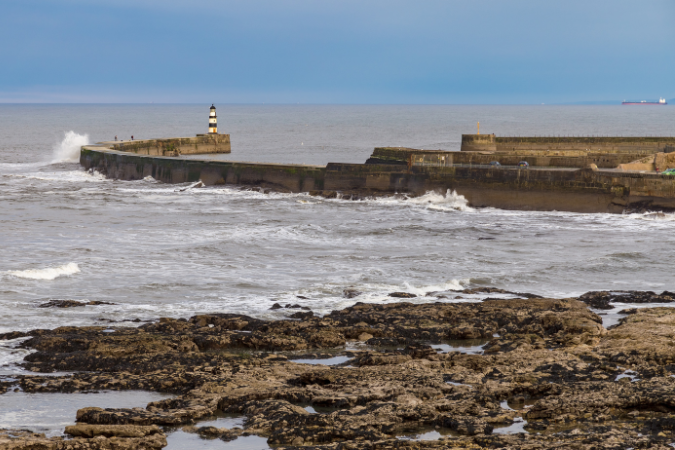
(163, 250)
(155, 250)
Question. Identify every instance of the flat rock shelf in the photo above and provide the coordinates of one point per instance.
(540, 373)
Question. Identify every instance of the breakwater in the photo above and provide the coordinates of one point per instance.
(557, 151)
(198, 145)
(539, 188)
(603, 144)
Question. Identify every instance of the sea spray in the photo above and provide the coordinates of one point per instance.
(49, 273)
(451, 201)
(68, 150)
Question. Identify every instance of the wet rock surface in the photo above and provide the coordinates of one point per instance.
(86, 437)
(402, 295)
(602, 299)
(548, 370)
(71, 304)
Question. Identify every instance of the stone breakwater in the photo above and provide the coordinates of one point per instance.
(546, 367)
(198, 145)
(414, 173)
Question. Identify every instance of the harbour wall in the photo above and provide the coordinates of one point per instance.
(608, 144)
(582, 190)
(127, 166)
(568, 158)
(200, 144)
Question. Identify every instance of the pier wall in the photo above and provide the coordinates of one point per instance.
(439, 158)
(200, 144)
(570, 158)
(645, 145)
(583, 190)
(126, 166)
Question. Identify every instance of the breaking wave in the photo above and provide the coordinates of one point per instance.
(49, 273)
(10, 355)
(450, 201)
(451, 285)
(655, 216)
(68, 150)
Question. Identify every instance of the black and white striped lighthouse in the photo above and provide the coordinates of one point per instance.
(213, 122)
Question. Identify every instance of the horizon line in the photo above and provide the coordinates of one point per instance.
(583, 103)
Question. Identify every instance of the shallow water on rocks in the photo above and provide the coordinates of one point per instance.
(466, 346)
(612, 316)
(521, 403)
(505, 405)
(428, 434)
(50, 413)
(453, 383)
(223, 421)
(518, 426)
(180, 440)
(325, 361)
(630, 374)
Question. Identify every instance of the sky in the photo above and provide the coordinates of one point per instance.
(342, 51)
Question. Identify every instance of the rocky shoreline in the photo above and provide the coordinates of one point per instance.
(545, 367)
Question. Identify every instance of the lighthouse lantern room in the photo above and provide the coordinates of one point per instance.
(213, 123)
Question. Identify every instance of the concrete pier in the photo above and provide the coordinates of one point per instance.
(199, 145)
(414, 172)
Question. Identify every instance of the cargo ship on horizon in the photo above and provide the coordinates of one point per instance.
(662, 101)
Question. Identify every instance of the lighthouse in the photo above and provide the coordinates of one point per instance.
(213, 122)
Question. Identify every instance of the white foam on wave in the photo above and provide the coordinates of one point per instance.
(451, 201)
(433, 200)
(11, 355)
(8, 168)
(654, 216)
(68, 150)
(49, 273)
(73, 176)
(452, 285)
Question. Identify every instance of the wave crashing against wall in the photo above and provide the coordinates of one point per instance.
(68, 150)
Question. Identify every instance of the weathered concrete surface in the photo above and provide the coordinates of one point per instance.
(658, 162)
(200, 144)
(411, 157)
(510, 188)
(579, 152)
(555, 158)
(583, 190)
(125, 166)
(627, 144)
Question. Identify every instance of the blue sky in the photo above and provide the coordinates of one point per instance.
(346, 51)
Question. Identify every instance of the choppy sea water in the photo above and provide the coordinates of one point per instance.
(156, 249)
